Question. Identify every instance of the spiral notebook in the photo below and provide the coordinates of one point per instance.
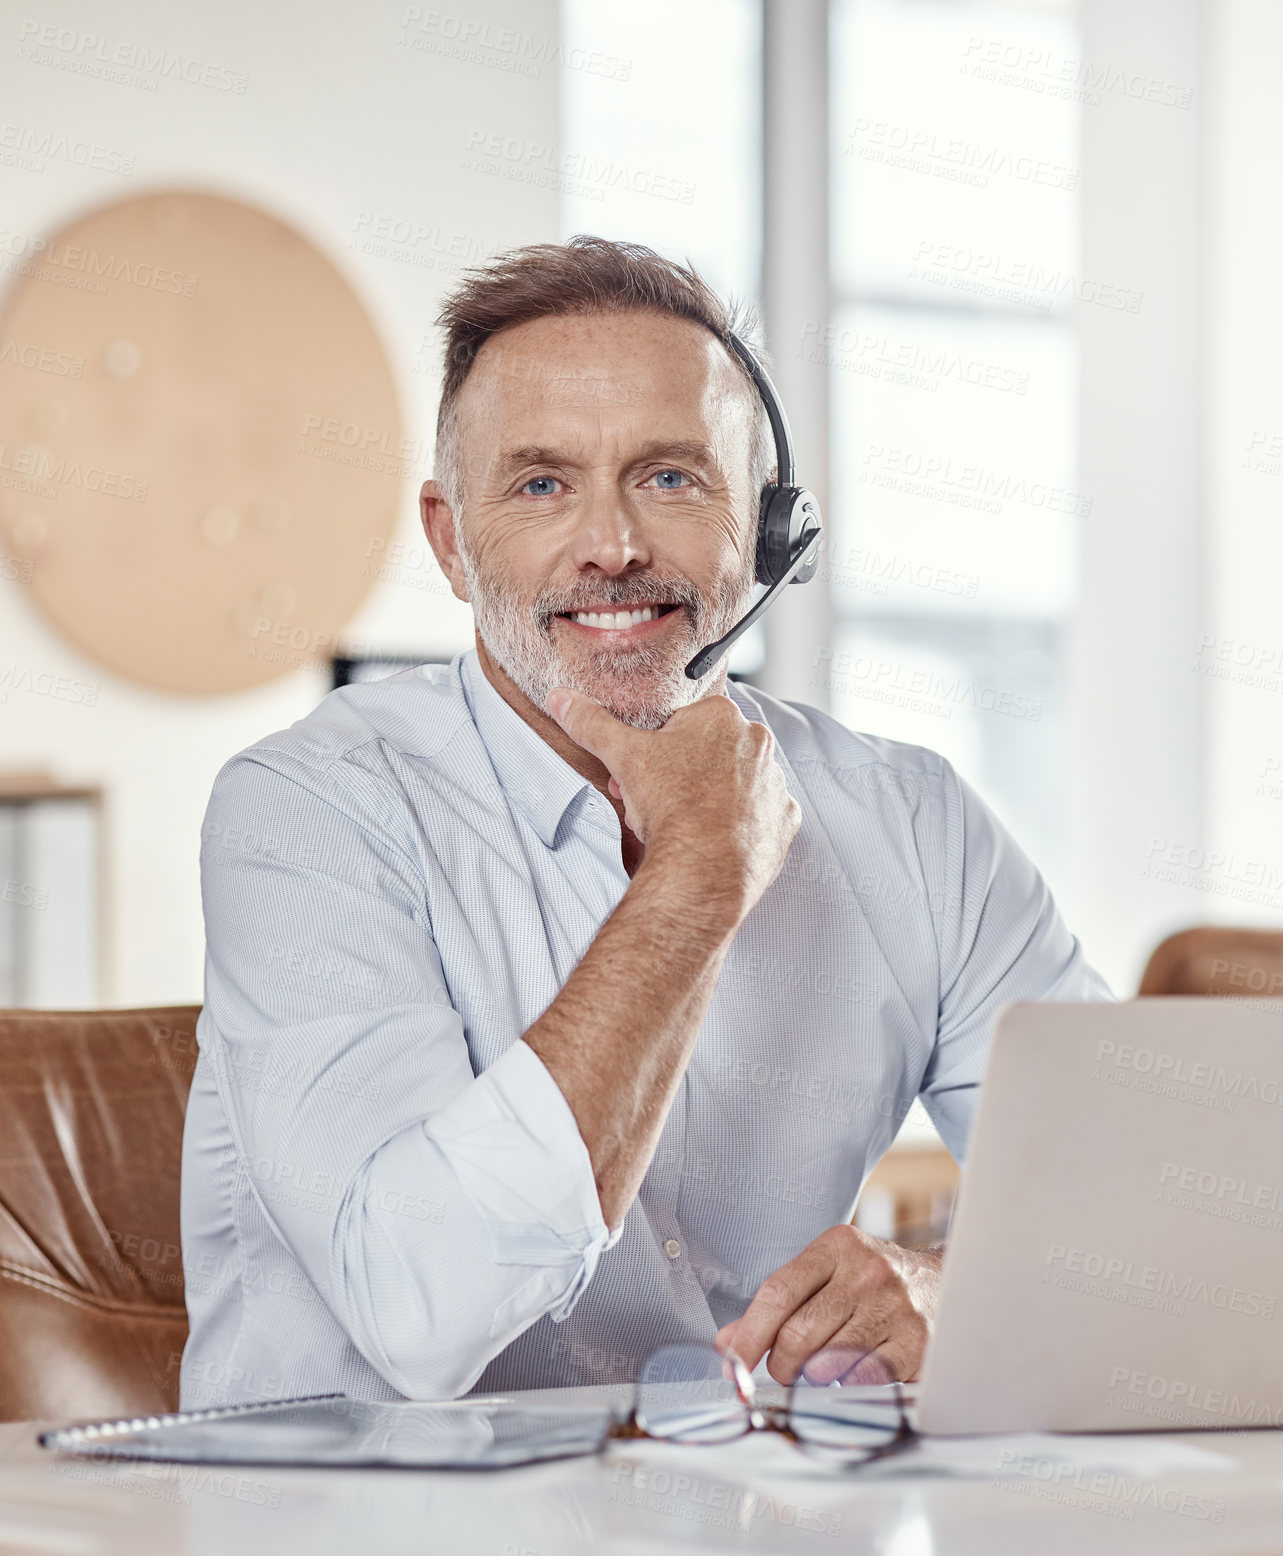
(331, 1430)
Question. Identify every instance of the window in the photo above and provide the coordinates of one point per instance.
(952, 363)
(667, 150)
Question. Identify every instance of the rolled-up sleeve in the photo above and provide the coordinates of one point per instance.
(1001, 939)
(437, 1212)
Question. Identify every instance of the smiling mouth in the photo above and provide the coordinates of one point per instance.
(620, 619)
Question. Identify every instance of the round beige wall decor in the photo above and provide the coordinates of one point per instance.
(201, 449)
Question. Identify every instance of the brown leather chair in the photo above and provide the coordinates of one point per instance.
(92, 1321)
(1212, 960)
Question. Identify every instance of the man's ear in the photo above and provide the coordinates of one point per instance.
(438, 525)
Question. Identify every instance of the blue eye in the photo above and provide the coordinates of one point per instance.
(665, 485)
(547, 482)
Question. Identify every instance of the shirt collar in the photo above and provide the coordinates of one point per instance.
(539, 783)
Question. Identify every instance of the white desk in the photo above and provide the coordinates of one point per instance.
(1169, 1493)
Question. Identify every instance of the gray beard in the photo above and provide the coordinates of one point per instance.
(642, 686)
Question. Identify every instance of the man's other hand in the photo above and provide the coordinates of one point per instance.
(869, 1302)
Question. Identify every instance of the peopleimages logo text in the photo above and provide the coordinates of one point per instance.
(1203, 1076)
(1221, 1186)
(1110, 1268)
(1192, 1399)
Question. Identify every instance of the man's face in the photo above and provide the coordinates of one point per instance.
(606, 465)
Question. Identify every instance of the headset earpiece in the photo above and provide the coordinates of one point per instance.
(786, 514)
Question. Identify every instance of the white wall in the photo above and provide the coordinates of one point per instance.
(349, 117)
(1138, 738)
(1241, 638)
(1179, 712)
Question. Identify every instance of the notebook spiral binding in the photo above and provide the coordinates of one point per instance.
(92, 1431)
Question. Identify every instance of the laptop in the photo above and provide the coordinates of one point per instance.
(1115, 1261)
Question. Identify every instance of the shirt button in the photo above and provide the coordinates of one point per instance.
(673, 1248)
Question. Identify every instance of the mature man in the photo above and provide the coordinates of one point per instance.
(557, 1005)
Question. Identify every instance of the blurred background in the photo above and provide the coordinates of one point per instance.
(1017, 269)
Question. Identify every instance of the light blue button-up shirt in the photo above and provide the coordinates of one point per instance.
(384, 1192)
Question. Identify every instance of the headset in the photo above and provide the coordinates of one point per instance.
(789, 527)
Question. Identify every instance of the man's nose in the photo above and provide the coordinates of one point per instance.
(609, 536)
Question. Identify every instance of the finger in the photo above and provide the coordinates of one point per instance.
(778, 1298)
(886, 1364)
(906, 1350)
(848, 1362)
(810, 1329)
(897, 1355)
(590, 725)
(881, 1366)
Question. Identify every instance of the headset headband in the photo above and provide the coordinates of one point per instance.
(784, 463)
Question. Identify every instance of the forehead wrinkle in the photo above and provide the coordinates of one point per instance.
(697, 450)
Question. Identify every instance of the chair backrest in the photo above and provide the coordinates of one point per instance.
(1213, 959)
(92, 1318)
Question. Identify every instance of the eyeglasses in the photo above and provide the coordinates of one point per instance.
(691, 1392)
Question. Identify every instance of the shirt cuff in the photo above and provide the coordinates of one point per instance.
(513, 1142)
